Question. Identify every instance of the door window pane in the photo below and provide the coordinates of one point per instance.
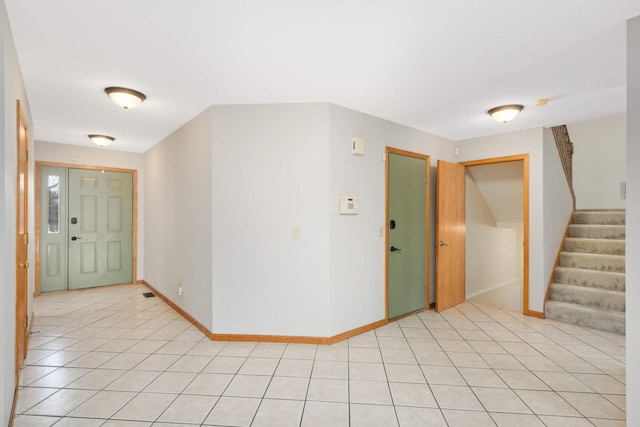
(54, 204)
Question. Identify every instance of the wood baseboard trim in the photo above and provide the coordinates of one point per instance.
(357, 331)
(537, 314)
(13, 407)
(15, 392)
(139, 282)
(180, 311)
(265, 338)
(299, 339)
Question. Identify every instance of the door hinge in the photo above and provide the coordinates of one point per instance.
(24, 264)
(26, 321)
(26, 238)
(26, 155)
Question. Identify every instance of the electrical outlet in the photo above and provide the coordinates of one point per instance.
(180, 290)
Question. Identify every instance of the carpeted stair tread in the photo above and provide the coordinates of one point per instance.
(594, 246)
(613, 321)
(589, 288)
(599, 217)
(591, 278)
(614, 263)
(590, 297)
(596, 231)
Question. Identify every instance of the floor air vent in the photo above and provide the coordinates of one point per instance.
(149, 294)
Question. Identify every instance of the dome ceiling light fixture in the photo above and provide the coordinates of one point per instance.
(505, 113)
(101, 140)
(126, 98)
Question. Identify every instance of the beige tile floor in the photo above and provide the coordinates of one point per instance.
(110, 357)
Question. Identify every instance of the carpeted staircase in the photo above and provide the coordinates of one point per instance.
(589, 288)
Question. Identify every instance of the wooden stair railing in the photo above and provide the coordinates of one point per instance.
(565, 150)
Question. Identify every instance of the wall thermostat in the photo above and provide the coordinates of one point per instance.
(348, 205)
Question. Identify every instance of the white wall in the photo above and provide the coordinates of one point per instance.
(358, 252)
(493, 270)
(177, 224)
(529, 141)
(274, 167)
(107, 157)
(557, 203)
(633, 225)
(599, 162)
(270, 173)
(11, 89)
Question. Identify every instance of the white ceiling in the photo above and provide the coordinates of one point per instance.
(433, 65)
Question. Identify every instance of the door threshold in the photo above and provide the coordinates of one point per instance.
(420, 310)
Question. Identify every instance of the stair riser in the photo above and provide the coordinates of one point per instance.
(597, 231)
(595, 246)
(591, 279)
(602, 321)
(592, 262)
(588, 297)
(609, 218)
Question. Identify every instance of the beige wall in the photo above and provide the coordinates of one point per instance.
(493, 255)
(599, 162)
(178, 220)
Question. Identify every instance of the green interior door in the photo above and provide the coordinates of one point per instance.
(407, 268)
(100, 228)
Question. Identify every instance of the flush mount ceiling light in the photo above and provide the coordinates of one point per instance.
(102, 140)
(505, 113)
(126, 98)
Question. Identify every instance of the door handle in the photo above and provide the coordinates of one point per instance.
(441, 243)
(394, 249)
(74, 238)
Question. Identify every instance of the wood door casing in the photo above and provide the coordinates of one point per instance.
(39, 213)
(22, 240)
(450, 235)
(525, 193)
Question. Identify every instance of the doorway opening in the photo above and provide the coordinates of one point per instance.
(85, 226)
(497, 232)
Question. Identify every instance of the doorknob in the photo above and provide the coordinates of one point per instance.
(441, 243)
(394, 249)
(74, 238)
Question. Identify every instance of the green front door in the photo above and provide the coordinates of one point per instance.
(86, 228)
(407, 233)
(100, 228)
